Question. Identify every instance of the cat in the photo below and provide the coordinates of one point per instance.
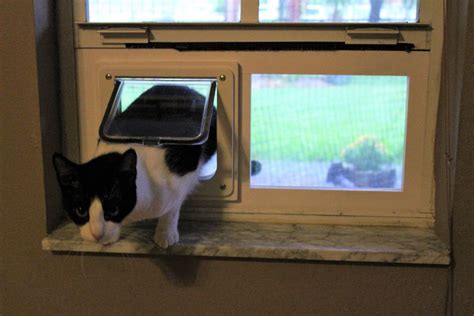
(131, 182)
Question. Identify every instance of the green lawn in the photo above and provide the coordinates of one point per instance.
(304, 121)
(294, 122)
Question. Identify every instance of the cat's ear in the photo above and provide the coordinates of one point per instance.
(129, 162)
(66, 171)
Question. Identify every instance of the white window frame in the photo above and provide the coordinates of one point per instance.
(412, 207)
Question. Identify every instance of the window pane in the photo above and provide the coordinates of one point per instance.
(163, 11)
(340, 132)
(329, 11)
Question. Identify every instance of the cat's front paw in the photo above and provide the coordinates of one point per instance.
(166, 238)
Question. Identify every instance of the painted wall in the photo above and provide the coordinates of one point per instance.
(463, 210)
(35, 282)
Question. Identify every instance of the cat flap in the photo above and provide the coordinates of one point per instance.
(156, 111)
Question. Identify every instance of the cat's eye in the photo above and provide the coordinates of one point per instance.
(81, 212)
(115, 211)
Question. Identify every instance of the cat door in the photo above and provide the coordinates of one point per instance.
(156, 111)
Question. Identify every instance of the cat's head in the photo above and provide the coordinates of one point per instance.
(99, 194)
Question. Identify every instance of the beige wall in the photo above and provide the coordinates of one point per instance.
(463, 210)
(35, 282)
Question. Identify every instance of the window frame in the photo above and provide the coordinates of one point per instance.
(427, 36)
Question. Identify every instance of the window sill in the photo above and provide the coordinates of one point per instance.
(271, 241)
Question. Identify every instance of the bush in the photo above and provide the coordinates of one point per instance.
(366, 154)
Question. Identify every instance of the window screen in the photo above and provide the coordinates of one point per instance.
(334, 11)
(163, 11)
(342, 132)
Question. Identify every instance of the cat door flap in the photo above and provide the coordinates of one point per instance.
(156, 111)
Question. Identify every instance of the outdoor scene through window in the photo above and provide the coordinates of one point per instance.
(359, 11)
(163, 11)
(342, 132)
(329, 11)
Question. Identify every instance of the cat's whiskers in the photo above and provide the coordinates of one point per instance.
(129, 262)
(83, 271)
(66, 255)
(136, 238)
(130, 266)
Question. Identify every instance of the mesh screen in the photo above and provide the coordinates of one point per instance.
(163, 11)
(373, 11)
(328, 131)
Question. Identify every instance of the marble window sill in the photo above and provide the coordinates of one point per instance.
(271, 241)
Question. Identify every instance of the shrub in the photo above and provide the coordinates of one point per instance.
(366, 154)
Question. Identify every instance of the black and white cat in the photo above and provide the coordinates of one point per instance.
(131, 182)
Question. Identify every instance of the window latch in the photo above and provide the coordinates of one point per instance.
(372, 36)
(124, 35)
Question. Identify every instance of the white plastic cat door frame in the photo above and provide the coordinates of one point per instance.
(97, 83)
(162, 114)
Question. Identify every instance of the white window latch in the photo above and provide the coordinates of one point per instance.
(124, 35)
(372, 36)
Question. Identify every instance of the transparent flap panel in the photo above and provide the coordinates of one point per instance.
(159, 111)
(339, 11)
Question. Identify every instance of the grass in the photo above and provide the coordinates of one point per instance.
(294, 122)
(314, 120)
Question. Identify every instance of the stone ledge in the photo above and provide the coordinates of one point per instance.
(270, 241)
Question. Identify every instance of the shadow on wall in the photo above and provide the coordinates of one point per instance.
(180, 271)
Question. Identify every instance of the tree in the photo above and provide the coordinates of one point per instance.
(289, 10)
(338, 4)
(375, 6)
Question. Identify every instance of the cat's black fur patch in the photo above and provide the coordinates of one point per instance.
(165, 103)
(182, 159)
(110, 178)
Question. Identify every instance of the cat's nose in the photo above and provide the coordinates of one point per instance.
(97, 235)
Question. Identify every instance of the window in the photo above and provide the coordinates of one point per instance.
(374, 11)
(163, 11)
(326, 109)
(320, 11)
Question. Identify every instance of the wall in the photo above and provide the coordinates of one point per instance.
(463, 213)
(35, 282)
